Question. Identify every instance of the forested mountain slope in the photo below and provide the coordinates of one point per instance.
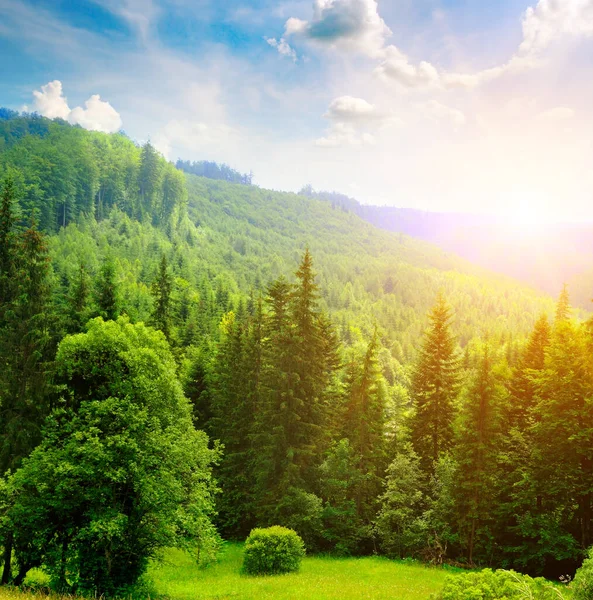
(365, 274)
(120, 200)
(543, 256)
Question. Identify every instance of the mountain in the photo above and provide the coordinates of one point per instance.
(545, 256)
(225, 242)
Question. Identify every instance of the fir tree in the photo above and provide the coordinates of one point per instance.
(475, 453)
(563, 310)
(25, 351)
(106, 291)
(364, 426)
(161, 293)
(78, 300)
(435, 386)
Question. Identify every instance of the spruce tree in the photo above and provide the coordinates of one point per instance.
(78, 300)
(161, 293)
(475, 453)
(435, 386)
(25, 351)
(364, 427)
(563, 309)
(106, 291)
(563, 441)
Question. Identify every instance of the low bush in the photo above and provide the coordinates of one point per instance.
(582, 586)
(272, 551)
(497, 585)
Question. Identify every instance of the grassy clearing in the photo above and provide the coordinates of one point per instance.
(320, 578)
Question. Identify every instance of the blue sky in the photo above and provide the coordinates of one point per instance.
(436, 104)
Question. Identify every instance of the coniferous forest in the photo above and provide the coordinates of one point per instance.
(186, 357)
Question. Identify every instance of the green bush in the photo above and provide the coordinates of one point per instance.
(582, 585)
(497, 585)
(273, 550)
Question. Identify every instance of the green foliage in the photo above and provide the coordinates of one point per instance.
(273, 551)
(120, 473)
(582, 585)
(497, 585)
(435, 385)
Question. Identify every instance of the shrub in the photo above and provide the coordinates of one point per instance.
(272, 551)
(582, 585)
(497, 585)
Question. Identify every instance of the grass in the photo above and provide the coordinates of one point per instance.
(178, 577)
(320, 578)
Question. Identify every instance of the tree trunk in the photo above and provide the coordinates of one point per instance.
(7, 570)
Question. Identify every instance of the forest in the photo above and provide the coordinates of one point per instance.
(185, 359)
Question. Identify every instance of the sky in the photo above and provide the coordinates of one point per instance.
(445, 105)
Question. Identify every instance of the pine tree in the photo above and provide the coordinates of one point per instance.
(523, 385)
(7, 243)
(78, 300)
(435, 386)
(563, 439)
(475, 453)
(106, 291)
(161, 293)
(563, 310)
(364, 427)
(291, 431)
(25, 351)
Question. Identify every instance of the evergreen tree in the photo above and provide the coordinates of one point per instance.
(161, 293)
(25, 351)
(563, 310)
(435, 385)
(475, 453)
(106, 291)
(78, 300)
(563, 443)
(364, 427)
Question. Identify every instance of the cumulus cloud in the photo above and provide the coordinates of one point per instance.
(283, 47)
(344, 134)
(50, 101)
(97, 114)
(351, 24)
(442, 113)
(549, 20)
(357, 26)
(352, 120)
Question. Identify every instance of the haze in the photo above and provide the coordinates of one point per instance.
(457, 105)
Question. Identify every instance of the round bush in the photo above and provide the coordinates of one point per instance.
(582, 585)
(272, 551)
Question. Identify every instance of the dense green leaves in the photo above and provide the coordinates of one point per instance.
(273, 551)
(120, 473)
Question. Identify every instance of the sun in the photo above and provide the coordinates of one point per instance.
(528, 214)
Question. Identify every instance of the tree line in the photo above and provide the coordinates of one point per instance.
(213, 170)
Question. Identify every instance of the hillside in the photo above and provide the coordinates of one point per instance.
(544, 257)
(119, 200)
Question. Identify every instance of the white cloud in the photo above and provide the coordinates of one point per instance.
(356, 25)
(97, 115)
(349, 24)
(559, 113)
(140, 14)
(50, 101)
(351, 119)
(442, 113)
(283, 47)
(193, 138)
(398, 67)
(549, 20)
(347, 108)
(344, 134)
